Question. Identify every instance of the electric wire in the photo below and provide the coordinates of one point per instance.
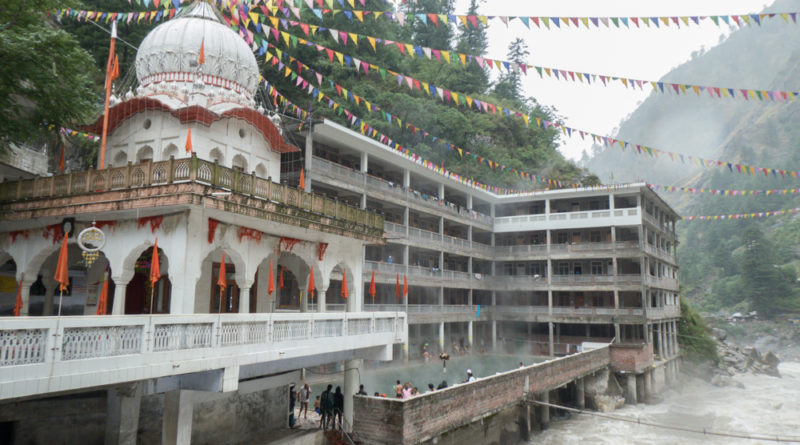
(704, 431)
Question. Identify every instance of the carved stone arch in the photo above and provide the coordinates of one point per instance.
(239, 162)
(144, 153)
(170, 150)
(217, 155)
(261, 170)
(120, 159)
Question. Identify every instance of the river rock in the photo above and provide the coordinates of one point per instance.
(725, 381)
(721, 334)
(607, 404)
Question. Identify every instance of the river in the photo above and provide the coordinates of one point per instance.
(767, 406)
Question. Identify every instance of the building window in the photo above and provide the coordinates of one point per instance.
(536, 269)
(563, 268)
(595, 236)
(508, 269)
(577, 268)
(597, 268)
(597, 301)
(562, 237)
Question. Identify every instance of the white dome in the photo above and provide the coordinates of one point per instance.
(169, 56)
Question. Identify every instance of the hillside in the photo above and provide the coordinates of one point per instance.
(752, 57)
(730, 265)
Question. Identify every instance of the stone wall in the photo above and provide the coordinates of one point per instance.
(631, 358)
(78, 419)
(392, 421)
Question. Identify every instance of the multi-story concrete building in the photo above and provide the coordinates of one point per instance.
(538, 273)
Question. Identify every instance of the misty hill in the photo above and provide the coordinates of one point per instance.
(753, 57)
(730, 265)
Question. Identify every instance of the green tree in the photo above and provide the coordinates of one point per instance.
(509, 85)
(768, 286)
(45, 77)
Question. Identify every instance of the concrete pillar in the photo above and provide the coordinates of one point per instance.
(494, 335)
(25, 295)
(630, 389)
(364, 162)
(122, 418)
(304, 299)
(441, 337)
(524, 421)
(120, 286)
(321, 300)
(441, 191)
(580, 393)
(640, 388)
(177, 421)
(661, 350)
(351, 374)
(406, 179)
(469, 335)
(544, 411)
(469, 203)
(647, 383)
(309, 152)
(244, 300)
(551, 343)
(50, 290)
(363, 204)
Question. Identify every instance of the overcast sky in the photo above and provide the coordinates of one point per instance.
(646, 53)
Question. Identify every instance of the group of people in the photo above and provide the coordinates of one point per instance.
(407, 390)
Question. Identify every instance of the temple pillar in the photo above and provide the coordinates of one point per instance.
(177, 420)
(122, 418)
(351, 375)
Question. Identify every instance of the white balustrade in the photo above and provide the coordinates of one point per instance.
(358, 326)
(171, 337)
(328, 328)
(22, 346)
(101, 341)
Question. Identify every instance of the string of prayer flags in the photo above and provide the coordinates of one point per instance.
(722, 192)
(741, 215)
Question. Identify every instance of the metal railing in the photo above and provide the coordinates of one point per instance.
(49, 354)
(184, 170)
(361, 179)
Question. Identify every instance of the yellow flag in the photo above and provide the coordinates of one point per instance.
(340, 56)
(285, 36)
(275, 22)
(372, 42)
(463, 19)
(463, 58)
(483, 19)
(446, 55)
(352, 3)
(286, 72)
(425, 88)
(410, 49)
(696, 89)
(585, 21)
(359, 15)
(353, 37)
(469, 101)
(455, 97)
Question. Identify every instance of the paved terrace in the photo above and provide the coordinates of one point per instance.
(391, 421)
(47, 355)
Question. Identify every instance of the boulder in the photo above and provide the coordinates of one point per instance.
(723, 381)
(607, 404)
(721, 334)
(767, 343)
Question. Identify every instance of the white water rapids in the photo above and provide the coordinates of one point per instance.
(767, 406)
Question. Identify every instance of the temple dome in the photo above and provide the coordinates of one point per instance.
(167, 60)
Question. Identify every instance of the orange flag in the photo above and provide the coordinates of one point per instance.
(101, 305)
(155, 268)
(397, 287)
(222, 280)
(18, 306)
(115, 68)
(344, 285)
(302, 180)
(201, 59)
(61, 159)
(271, 284)
(280, 278)
(62, 268)
(188, 145)
(372, 286)
(405, 287)
(311, 284)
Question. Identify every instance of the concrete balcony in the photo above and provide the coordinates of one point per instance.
(432, 313)
(661, 254)
(568, 220)
(670, 311)
(595, 280)
(561, 314)
(48, 355)
(183, 183)
(353, 180)
(22, 161)
(663, 283)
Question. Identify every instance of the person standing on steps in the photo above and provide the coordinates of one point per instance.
(326, 396)
(304, 395)
(338, 407)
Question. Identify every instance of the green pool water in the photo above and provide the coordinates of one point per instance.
(383, 379)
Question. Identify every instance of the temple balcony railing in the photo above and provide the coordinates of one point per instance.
(364, 181)
(41, 355)
(187, 170)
